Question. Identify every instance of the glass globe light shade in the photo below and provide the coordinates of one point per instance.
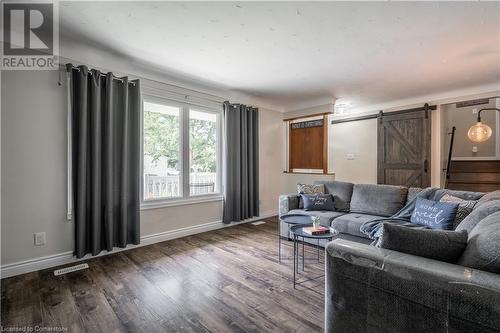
(479, 132)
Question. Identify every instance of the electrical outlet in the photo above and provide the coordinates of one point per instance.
(474, 111)
(40, 238)
(350, 156)
(474, 149)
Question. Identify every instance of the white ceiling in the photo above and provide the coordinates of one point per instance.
(290, 53)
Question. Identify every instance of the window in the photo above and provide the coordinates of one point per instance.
(203, 152)
(307, 144)
(162, 149)
(181, 151)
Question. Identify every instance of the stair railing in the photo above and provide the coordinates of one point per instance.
(450, 152)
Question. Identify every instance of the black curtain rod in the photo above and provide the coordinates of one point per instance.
(70, 66)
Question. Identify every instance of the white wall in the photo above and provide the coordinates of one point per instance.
(34, 171)
(270, 160)
(358, 138)
(33, 165)
(312, 110)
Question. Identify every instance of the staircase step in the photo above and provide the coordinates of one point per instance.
(480, 176)
(475, 177)
(473, 187)
(475, 166)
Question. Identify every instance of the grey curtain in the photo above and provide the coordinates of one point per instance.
(241, 162)
(105, 114)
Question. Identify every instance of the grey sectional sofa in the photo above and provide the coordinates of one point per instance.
(370, 289)
(354, 205)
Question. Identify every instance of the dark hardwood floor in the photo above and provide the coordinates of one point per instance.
(228, 280)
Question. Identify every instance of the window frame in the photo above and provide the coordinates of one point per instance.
(185, 197)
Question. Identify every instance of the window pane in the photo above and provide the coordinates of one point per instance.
(162, 167)
(202, 152)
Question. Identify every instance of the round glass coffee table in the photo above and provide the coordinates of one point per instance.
(299, 234)
(290, 219)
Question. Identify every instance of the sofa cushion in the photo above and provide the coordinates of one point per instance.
(483, 247)
(444, 245)
(479, 213)
(383, 200)
(325, 215)
(350, 223)
(342, 193)
(318, 202)
(495, 195)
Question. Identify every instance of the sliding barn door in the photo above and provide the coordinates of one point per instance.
(404, 148)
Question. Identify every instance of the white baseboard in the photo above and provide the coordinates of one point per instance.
(36, 264)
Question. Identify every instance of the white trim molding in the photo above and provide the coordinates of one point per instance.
(154, 204)
(36, 264)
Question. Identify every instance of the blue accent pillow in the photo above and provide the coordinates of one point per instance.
(434, 214)
(318, 202)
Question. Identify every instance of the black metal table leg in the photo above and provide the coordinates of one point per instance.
(296, 241)
(298, 233)
(279, 242)
(294, 254)
(318, 249)
(303, 265)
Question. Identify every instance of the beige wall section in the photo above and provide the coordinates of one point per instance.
(436, 147)
(33, 165)
(463, 119)
(270, 161)
(154, 221)
(292, 179)
(325, 108)
(358, 138)
(34, 171)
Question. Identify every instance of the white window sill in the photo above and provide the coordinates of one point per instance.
(155, 204)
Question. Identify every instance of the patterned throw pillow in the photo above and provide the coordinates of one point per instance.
(412, 193)
(464, 207)
(309, 189)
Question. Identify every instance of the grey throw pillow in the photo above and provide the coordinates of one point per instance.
(466, 195)
(483, 248)
(464, 207)
(443, 245)
(309, 189)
